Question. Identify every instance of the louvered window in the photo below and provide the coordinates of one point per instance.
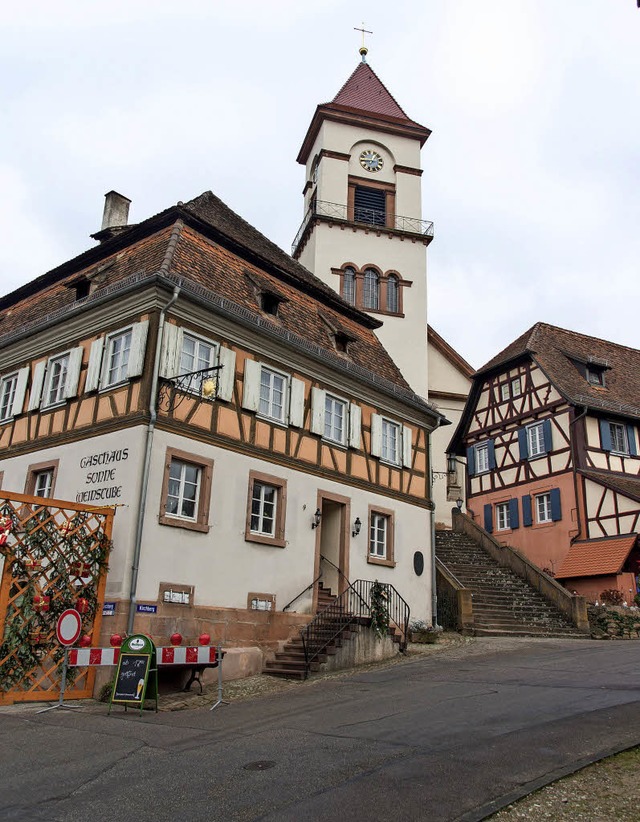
(369, 206)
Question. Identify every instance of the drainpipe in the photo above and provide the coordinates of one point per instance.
(432, 519)
(144, 485)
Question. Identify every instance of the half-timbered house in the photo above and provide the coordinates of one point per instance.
(245, 419)
(550, 434)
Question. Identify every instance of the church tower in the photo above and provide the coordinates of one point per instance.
(363, 232)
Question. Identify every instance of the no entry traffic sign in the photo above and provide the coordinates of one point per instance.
(68, 627)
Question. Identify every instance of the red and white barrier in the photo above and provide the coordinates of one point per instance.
(81, 657)
(194, 655)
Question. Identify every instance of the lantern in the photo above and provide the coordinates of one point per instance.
(175, 639)
(204, 639)
(82, 605)
(41, 603)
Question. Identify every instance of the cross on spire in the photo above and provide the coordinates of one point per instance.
(363, 49)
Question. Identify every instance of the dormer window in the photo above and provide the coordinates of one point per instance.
(270, 302)
(595, 375)
(342, 341)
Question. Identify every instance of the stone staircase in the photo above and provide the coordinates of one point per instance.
(503, 603)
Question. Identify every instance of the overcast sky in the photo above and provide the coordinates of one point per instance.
(531, 173)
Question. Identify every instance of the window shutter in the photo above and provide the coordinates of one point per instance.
(21, 390)
(73, 372)
(317, 411)
(36, 386)
(355, 425)
(172, 336)
(631, 438)
(296, 403)
(138, 346)
(546, 432)
(605, 435)
(527, 519)
(251, 388)
(488, 518)
(492, 454)
(227, 374)
(522, 442)
(514, 519)
(407, 436)
(556, 510)
(471, 460)
(376, 435)
(92, 382)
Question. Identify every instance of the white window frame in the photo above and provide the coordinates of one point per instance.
(516, 387)
(266, 403)
(504, 391)
(543, 507)
(180, 496)
(263, 488)
(535, 440)
(198, 360)
(386, 453)
(57, 369)
(8, 388)
(619, 438)
(378, 535)
(503, 516)
(482, 458)
(331, 402)
(109, 380)
(43, 482)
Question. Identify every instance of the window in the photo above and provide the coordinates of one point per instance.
(266, 510)
(41, 479)
(369, 206)
(618, 437)
(503, 518)
(482, 458)
(393, 290)
(595, 375)
(370, 297)
(117, 359)
(535, 439)
(390, 442)
(56, 380)
(504, 391)
(619, 442)
(335, 415)
(186, 491)
(43, 483)
(381, 537)
(273, 389)
(196, 354)
(8, 387)
(349, 285)
(543, 508)
(516, 387)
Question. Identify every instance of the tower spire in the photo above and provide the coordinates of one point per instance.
(363, 50)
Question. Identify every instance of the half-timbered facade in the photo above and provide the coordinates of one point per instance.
(296, 450)
(550, 434)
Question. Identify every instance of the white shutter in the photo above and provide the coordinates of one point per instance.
(172, 336)
(296, 403)
(135, 366)
(407, 435)
(95, 361)
(227, 374)
(73, 372)
(376, 435)
(21, 390)
(355, 424)
(317, 410)
(36, 386)
(251, 388)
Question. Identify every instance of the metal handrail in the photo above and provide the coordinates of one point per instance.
(371, 217)
(319, 577)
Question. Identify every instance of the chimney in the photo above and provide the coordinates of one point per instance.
(116, 210)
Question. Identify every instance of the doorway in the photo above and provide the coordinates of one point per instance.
(332, 541)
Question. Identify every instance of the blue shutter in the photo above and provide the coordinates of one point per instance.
(546, 431)
(488, 518)
(556, 510)
(631, 439)
(527, 519)
(471, 460)
(522, 442)
(605, 435)
(492, 455)
(514, 520)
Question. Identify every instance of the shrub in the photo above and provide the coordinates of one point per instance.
(611, 596)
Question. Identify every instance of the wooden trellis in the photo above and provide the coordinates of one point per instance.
(54, 555)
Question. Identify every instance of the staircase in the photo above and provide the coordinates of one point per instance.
(503, 603)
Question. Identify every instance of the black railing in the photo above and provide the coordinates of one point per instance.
(304, 591)
(352, 607)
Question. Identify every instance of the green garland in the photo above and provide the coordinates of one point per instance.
(379, 610)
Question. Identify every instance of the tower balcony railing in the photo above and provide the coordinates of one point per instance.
(367, 217)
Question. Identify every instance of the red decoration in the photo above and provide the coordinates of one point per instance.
(115, 641)
(41, 603)
(66, 529)
(37, 637)
(175, 639)
(204, 639)
(5, 523)
(33, 564)
(85, 641)
(82, 605)
(3, 539)
(80, 569)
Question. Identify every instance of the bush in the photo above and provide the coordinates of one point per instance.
(611, 596)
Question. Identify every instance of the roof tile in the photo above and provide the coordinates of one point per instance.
(596, 557)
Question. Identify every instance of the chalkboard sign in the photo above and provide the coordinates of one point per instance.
(131, 678)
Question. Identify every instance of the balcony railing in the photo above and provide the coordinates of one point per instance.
(370, 217)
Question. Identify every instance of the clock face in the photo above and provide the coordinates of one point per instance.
(370, 160)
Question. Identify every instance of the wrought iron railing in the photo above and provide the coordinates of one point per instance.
(371, 217)
(304, 591)
(352, 607)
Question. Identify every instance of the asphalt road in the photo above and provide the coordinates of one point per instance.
(446, 737)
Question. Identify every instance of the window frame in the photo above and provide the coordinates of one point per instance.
(516, 392)
(505, 393)
(335, 400)
(286, 378)
(203, 502)
(625, 451)
(278, 539)
(106, 383)
(503, 516)
(388, 516)
(547, 508)
(386, 422)
(539, 440)
(60, 398)
(199, 340)
(9, 396)
(38, 468)
(371, 275)
(482, 447)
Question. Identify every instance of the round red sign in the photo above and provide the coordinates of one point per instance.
(68, 627)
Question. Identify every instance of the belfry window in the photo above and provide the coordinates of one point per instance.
(369, 206)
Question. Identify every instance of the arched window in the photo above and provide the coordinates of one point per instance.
(370, 297)
(349, 285)
(392, 294)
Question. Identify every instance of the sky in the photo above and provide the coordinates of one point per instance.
(531, 174)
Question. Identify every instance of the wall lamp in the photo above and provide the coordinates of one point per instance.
(316, 518)
(357, 525)
(459, 503)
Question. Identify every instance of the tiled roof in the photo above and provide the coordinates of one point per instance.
(622, 483)
(365, 91)
(596, 557)
(556, 350)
